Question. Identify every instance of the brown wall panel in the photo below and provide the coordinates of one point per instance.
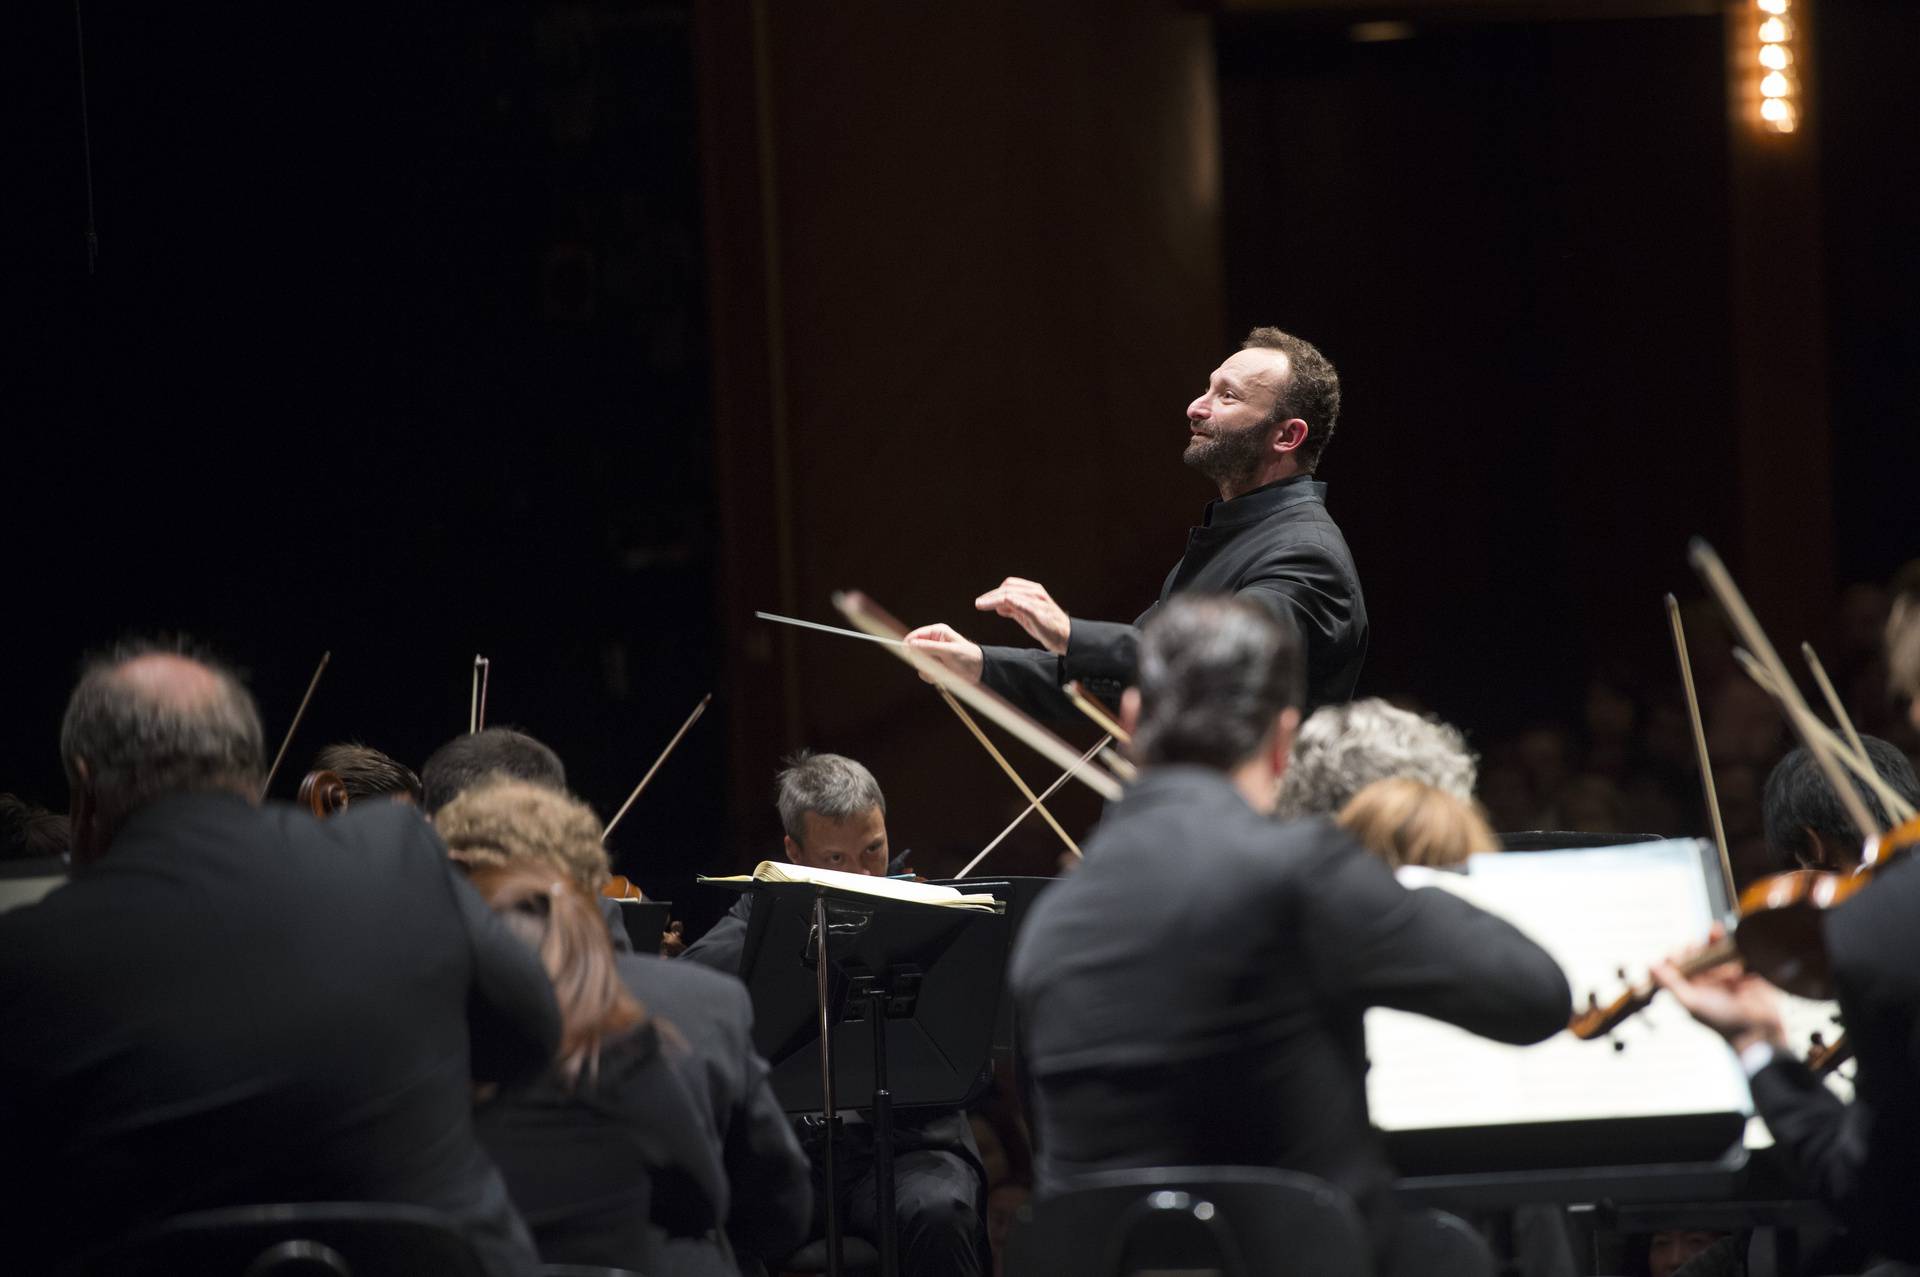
(994, 231)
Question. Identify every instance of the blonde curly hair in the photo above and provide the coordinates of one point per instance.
(512, 822)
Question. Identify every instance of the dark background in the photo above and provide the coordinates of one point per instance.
(573, 333)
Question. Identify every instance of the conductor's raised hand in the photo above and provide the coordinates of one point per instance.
(949, 647)
(1732, 1001)
(1028, 603)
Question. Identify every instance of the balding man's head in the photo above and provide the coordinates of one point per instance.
(147, 721)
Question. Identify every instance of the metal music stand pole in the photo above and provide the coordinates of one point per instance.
(888, 1225)
(826, 1081)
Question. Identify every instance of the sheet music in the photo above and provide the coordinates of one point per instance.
(1592, 910)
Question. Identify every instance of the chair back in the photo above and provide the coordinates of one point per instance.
(1432, 1243)
(320, 1239)
(1233, 1221)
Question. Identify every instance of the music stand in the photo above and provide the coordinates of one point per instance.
(931, 974)
(1017, 893)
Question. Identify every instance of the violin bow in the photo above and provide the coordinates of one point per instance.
(872, 619)
(1099, 716)
(294, 726)
(1858, 763)
(692, 718)
(1031, 808)
(477, 706)
(1033, 803)
(1118, 764)
(1707, 563)
(1700, 744)
(1825, 685)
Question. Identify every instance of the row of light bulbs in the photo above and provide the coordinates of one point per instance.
(1779, 88)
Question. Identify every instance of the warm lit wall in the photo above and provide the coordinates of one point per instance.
(991, 232)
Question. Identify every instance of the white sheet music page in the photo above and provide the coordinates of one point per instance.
(1594, 911)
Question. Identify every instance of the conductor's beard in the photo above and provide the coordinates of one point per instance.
(1231, 458)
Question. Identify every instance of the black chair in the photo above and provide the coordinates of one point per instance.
(1236, 1221)
(585, 1270)
(858, 1258)
(1432, 1243)
(319, 1239)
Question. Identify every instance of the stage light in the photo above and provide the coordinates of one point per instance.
(1778, 87)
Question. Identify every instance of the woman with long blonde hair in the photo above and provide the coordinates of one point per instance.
(608, 1141)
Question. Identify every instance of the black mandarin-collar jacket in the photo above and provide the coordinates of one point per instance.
(1276, 546)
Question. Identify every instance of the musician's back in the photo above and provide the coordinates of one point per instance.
(239, 1005)
(1193, 994)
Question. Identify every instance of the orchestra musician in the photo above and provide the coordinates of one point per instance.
(368, 774)
(607, 1152)
(501, 822)
(1863, 1158)
(1409, 822)
(491, 752)
(1341, 749)
(1806, 827)
(834, 816)
(1258, 433)
(1148, 1049)
(232, 1004)
(495, 753)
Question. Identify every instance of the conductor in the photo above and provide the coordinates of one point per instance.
(1258, 432)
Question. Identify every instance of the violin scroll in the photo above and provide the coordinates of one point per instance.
(323, 793)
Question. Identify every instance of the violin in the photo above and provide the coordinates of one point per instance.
(1779, 936)
(323, 793)
(1823, 1057)
(620, 887)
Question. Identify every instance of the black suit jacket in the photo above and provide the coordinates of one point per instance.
(771, 1199)
(1864, 1158)
(1276, 546)
(725, 944)
(238, 1005)
(1193, 993)
(604, 1167)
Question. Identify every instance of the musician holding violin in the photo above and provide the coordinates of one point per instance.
(1863, 1158)
(1193, 995)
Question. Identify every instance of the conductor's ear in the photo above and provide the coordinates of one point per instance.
(1130, 710)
